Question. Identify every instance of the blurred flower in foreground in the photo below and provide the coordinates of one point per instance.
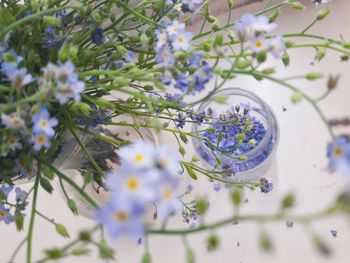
(148, 176)
(338, 153)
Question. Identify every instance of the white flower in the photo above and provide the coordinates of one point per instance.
(181, 41)
(175, 28)
(15, 144)
(40, 141)
(277, 46)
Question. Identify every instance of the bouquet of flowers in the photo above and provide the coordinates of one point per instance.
(102, 100)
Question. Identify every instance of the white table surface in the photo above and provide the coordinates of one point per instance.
(300, 167)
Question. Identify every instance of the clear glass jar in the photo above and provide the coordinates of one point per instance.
(73, 162)
(259, 157)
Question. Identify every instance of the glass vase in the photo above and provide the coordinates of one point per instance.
(250, 161)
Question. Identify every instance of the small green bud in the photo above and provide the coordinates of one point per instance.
(286, 59)
(85, 236)
(183, 137)
(80, 251)
(242, 64)
(236, 196)
(266, 242)
(202, 206)
(261, 57)
(240, 136)
(19, 220)
(321, 52)
(242, 158)
(268, 71)
(346, 44)
(216, 26)
(190, 257)
(211, 19)
(147, 258)
(297, 97)
(323, 14)
(252, 142)
(54, 253)
(213, 242)
(96, 16)
(88, 177)
(274, 16)
(72, 206)
(46, 185)
(313, 76)
(288, 201)
(332, 82)
(81, 107)
(51, 20)
(219, 40)
(61, 229)
(220, 99)
(230, 3)
(297, 6)
(105, 251)
(182, 151)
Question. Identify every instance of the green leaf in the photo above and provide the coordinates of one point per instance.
(46, 185)
(190, 171)
(73, 206)
(61, 229)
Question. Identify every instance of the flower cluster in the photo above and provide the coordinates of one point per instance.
(170, 40)
(63, 81)
(338, 153)
(147, 176)
(6, 205)
(254, 30)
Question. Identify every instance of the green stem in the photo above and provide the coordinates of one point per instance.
(309, 26)
(31, 223)
(70, 182)
(17, 250)
(237, 218)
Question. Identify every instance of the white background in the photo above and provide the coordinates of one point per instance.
(300, 167)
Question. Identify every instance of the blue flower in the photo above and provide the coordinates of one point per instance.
(266, 185)
(167, 159)
(40, 140)
(129, 56)
(15, 144)
(63, 80)
(50, 39)
(338, 153)
(135, 185)
(19, 78)
(168, 203)
(162, 38)
(217, 187)
(181, 41)
(43, 123)
(5, 215)
(10, 64)
(120, 217)
(21, 195)
(277, 46)
(196, 59)
(175, 28)
(6, 189)
(181, 83)
(140, 154)
(165, 56)
(97, 36)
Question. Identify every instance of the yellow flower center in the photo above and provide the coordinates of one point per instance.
(138, 158)
(121, 216)
(259, 44)
(338, 151)
(16, 122)
(2, 214)
(41, 139)
(132, 183)
(43, 123)
(167, 193)
(12, 141)
(181, 39)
